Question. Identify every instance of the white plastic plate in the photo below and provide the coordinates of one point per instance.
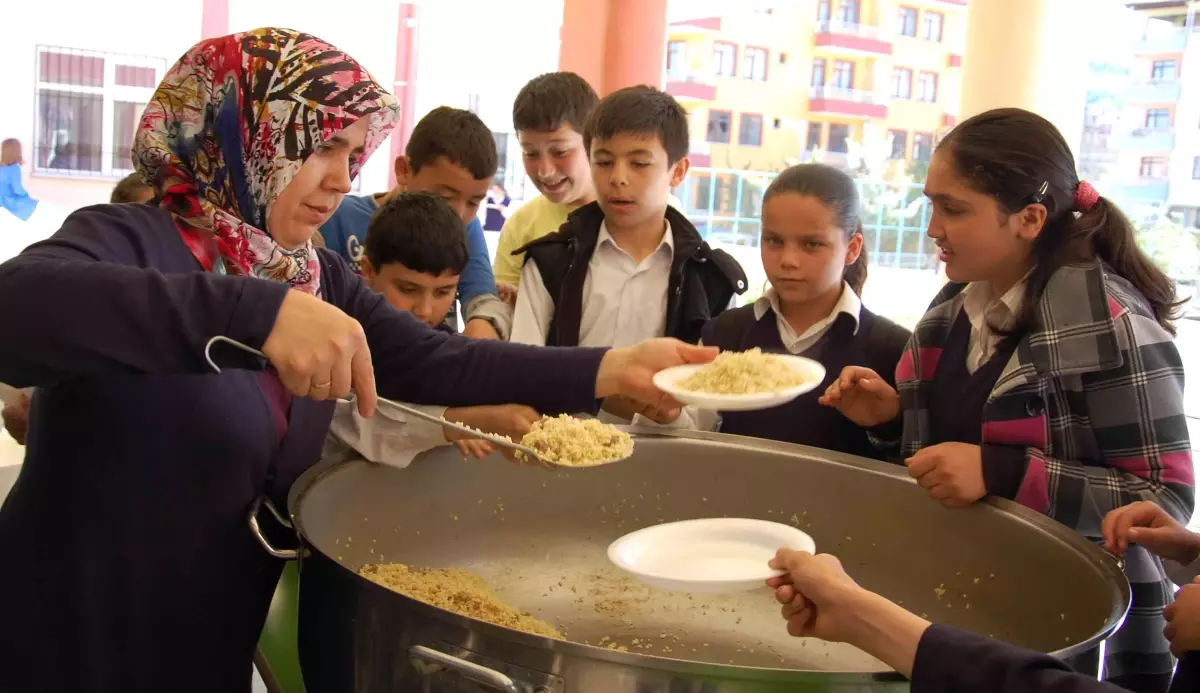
(812, 371)
(708, 556)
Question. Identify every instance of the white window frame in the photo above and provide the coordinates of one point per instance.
(110, 92)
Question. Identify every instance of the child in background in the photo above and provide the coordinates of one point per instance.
(1046, 372)
(627, 267)
(548, 115)
(497, 208)
(452, 154)
(813, 254)
(131, 190)
(12, 192)
(414, 255)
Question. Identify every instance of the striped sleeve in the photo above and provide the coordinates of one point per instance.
(1136, 415)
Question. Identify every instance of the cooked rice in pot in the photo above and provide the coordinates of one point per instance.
(456, 590)
(743, 373)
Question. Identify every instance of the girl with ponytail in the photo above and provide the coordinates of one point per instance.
(813, 254)
(1045, 371)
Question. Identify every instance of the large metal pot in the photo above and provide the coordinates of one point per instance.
(540, 537)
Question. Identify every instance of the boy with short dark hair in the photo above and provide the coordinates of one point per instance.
(452, 154)
(549, 115)
(629, 266)
(414, 254)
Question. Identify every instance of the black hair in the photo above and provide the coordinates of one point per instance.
(549, 101)
(640, 110)
(420, 231)
(1019, 158)
(458, 135)
(837, 191)
(126, 190)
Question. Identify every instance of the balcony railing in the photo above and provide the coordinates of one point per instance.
(1155, 91)
(1164, 40)
(852, 95)
(691, 84)
(1150, 140)
(837, 26)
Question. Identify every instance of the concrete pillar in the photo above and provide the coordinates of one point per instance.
(404, 88)
(1028, 54)
(614, 43)
(214, 18)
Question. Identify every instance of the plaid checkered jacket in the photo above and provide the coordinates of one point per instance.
(1093, 397)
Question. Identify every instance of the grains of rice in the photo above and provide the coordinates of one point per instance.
(456, 590)
(743, 373)
(574, 442)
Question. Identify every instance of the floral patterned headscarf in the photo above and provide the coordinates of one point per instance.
(229, 127)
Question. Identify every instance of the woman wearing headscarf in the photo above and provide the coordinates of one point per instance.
(127, 565)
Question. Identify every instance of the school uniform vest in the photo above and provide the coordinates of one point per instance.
(877, 344)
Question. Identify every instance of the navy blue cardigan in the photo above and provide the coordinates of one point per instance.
(125, 561)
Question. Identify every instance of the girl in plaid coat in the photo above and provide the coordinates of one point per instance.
(1045, 371)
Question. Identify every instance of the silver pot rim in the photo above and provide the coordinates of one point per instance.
(1074, 540)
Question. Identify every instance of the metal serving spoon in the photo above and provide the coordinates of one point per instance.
(525, 452)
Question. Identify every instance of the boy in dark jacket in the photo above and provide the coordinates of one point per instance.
(627, 267)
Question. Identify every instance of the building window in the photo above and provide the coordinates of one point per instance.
(927, 87)
(756, 64)
(750, 130)
(824, 10)
(815, 131)
(1163, 71)
(902, 83)
(1153, 167)
(818, 72)
(1196, 168)
(718, 126)
(88, 108)
(1158, 119)
(933, 26)
(839, 136)
(922, 146)
(908, 21)
(843, 74)
(725, 59)
(848, 12)
(676, 56)
(899, 144)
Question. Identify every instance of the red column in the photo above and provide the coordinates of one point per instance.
(405, 86)
(214, 18)
(614, 43)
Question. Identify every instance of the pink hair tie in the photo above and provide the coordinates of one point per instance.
(1086, 196)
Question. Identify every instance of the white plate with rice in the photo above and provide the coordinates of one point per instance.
(742, 381)
(708, 556)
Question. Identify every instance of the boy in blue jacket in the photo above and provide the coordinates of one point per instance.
(452, 154)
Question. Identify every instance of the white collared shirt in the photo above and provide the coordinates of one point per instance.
(848, 303)
(985, 313)
(624, 301)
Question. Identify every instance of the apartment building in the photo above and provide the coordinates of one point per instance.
(771, 85)
(1159, 153)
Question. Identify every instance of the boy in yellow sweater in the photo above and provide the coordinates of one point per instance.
(548, 116)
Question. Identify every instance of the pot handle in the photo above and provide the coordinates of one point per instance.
(252, 520)
(430, 661)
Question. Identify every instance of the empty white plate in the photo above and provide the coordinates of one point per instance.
(706, 556)
(812, 371)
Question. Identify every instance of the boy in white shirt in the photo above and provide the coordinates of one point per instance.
(627, 267)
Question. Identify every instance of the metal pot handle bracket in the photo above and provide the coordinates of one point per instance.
(252, 520)
(428, 661)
